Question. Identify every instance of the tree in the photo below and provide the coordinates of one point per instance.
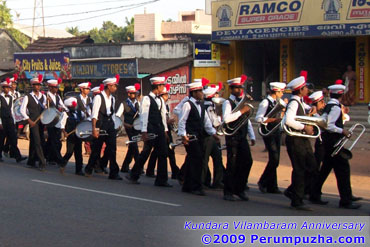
(74, 31)
(129, 29)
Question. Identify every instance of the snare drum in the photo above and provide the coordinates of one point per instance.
(50, 116)
(84, 130)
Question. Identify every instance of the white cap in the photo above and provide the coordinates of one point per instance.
(54, 83)
(133, 89)
(337, 89)
(277, 86)
(111, 81)
(297, 83)
(158, 80)
(209, 92)
(6, 83)
(70, 102)
(37, 80)
(166, 89)
(316, 97)
(96, 90)
(84, 85)
(239, 81)
(195, 86)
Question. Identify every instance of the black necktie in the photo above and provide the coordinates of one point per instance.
(198, 102)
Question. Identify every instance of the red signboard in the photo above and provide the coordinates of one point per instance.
(178, 78)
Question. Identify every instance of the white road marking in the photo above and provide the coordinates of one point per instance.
(107, 193)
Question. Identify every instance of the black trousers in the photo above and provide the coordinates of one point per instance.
(158, 145)
(303, 162)
(171, 157)
(9, 132)
(238, 166)
(211, 148)
(312, 178)
(74, 147)
(110, 141)
(54, 145)
(193, 166)
(37, 144)
(133, 150)
(342, 173)
(268, 178)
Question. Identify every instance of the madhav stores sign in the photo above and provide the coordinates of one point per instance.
(269, 19)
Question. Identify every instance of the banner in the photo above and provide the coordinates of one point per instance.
(206, 55)
(178, 78)
(272, 19)
(50, 65)
(104, 68)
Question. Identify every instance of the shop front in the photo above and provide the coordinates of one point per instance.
(274, 40)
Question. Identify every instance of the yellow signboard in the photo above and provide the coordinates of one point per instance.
(267, 19)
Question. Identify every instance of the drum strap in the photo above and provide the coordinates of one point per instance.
(38, 101)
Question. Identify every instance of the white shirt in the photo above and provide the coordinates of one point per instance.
(262, 108)
(251, 131)
(15, 94)
(333, 116)
(53, 97)
(215, 119)
(7, 99)
(177, 110)
(121, 107)
(63, 122)
(184, 117)
(84, 102)
(97, 104)
(144, 114)
(291, 113)
(24, 110)
(227, 114)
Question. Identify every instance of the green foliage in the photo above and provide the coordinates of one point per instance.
(108, 33)
(22, 39)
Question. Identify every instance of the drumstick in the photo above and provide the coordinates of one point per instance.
(68, 134)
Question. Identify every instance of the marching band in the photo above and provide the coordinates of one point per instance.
(201, 124)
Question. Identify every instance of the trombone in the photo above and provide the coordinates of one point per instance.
(178, 141)
(316, 122)
(138, 138)
(339, 146)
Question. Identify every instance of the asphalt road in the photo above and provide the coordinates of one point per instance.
(50, 209)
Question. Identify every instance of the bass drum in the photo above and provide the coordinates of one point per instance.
(117, 123)
(17, 109)
(137, 124)
(84, 130)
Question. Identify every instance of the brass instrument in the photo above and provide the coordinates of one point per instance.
(218, 101)
(339, 146)
(278, 108)
(88, 133)
(178, 141)
(231, 128)
(138, 138)
(316, 122)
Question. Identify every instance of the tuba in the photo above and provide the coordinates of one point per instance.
(316, 122)
(231, 128)
(263, 128)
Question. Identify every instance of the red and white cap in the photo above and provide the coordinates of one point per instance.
(70, 102)
(84, 85)
(316, 97)
(237, 82)
(297, 83)
(166, 89)
(14, 78)
(96, 90)
(338, 82)
(37, 80)
(277, 86)
(218, 87)
(111, 81)
(6, 83)
(54, 83)
(210, 92)
(133, 89)
(195, 86)
(158, 80)
(337, 89)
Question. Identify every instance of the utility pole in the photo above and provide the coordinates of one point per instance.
(38, 12)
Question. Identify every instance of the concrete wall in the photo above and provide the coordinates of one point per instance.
(147, 27)
(94, 51)
(7, 47)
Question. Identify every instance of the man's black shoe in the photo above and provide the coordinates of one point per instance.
(98, 170)
(261, 187)
(243, 196)
(163, 185)
(105, 170)
(150, 175)
(230, 198)
(20, 159)
(288, 194)
(42, 167)
(80, 173)
(274, 191)
(302, 208)
(247, 188)
(198, 192)
(88, 173)
(125, 170)
(350, 205)
(318, 201)
(355, 198)
(131, 180)
(114, 177)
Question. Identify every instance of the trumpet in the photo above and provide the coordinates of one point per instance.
(316, 122)
(231, 128)
(83, 134)
(178, 141)
(263, 130)
(138, 138)
(339, 146)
